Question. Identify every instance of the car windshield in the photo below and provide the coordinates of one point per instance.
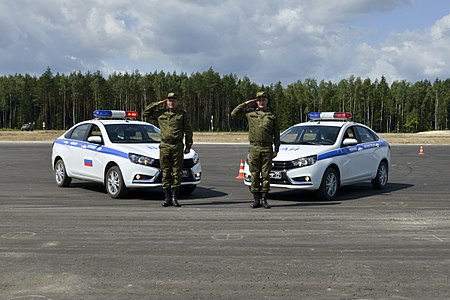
(310, 135)
(133, 133)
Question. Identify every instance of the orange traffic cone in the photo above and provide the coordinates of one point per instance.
(241, 170)
(421, 152)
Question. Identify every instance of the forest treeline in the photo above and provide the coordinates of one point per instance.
(62, 100)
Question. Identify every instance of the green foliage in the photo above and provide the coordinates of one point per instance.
(62, 100)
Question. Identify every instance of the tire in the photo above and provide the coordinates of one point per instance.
(329, 186)
(380, 181)
(187, 189)
(114, 183)
(62, 180)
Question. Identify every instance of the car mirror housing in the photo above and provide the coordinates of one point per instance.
(350, 142)
(95, 139)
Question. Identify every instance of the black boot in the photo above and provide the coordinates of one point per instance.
(264, 200)
(256, 200)
(175, 198)
(167, 198)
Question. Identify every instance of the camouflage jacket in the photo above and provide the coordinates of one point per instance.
(173, 124)
(264, 129)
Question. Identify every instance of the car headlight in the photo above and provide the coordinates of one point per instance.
(140, 159)
(305, 161)
(196, 158)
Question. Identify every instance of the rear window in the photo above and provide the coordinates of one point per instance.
(366, 135)
(133, 133)
(79, 132)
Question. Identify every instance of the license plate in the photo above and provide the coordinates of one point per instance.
(276, 175)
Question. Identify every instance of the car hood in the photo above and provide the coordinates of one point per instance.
(291, 152)
(150, 149)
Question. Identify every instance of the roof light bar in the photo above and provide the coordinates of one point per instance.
(114, 114)
(131, 114)
(329, 115)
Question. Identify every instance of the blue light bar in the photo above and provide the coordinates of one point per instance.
(314, 115)
(104, 113)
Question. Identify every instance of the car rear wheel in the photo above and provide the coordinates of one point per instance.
(329, 186)
(62, 180)
(380, 181)
(115, 185)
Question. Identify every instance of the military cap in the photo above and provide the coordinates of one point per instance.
(261, 94)
(172, 96)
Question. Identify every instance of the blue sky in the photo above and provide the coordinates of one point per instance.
(268, 41)
(416, 16)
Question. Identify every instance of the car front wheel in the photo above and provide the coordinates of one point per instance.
(187, 189)
(380, 181)
(329, 186)
(115, 185)
(62, 180)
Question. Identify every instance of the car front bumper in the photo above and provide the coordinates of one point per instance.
(305, 178)
(145, 177)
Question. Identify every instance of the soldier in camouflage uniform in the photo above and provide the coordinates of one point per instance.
(264, 138)
(174, 124)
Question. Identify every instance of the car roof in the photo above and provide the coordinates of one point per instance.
(107, 122)
(325, 123)
(115, 121)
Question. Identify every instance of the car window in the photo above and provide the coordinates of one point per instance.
(79, 132)
(310, 135)
(365, 135)
(95, 131)
(349, 133)
(133, 133)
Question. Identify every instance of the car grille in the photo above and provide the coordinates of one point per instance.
(282, 165)
(187, 163)
(280, 181)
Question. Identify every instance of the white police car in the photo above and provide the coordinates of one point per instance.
(328, 152)
(118, 151)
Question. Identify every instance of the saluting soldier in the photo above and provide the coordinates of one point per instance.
(264, 138)
(175, 125)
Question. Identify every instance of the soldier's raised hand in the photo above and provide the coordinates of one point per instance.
(164, 102)
(251, 102)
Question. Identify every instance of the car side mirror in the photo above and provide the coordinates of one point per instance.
(349, 142)
(95, 139)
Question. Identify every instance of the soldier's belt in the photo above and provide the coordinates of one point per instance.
(172, 142)
(261, 144)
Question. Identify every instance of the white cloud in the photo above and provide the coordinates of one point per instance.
(266, 40)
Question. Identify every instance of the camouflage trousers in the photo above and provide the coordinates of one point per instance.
(260, 164)
(171, 161)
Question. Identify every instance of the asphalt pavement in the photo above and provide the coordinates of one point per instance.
(78, 243)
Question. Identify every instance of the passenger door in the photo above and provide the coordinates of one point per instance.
(353, 159)
(370, 145)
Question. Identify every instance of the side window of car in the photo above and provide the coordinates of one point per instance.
(79, 132)
(365, 135)
(349, 134)
(95, 131)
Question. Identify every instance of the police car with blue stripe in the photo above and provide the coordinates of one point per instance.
(118, 151)
(328, 152)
